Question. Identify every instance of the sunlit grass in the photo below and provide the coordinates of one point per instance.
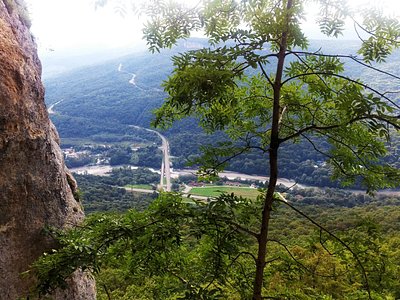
(139, 186)
(214, 191)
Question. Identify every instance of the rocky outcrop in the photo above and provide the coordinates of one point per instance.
(35, 187)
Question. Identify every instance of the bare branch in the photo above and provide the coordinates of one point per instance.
(241, 228)
(300, 263)
(325, 128)
(181, 279)
(365, 86)
(391, 92)
(241, 266)
(333, 159)
(323, 242)
(265, 74)
(352, 57)
(373, 33)
(107, 292)
(358, 34)
(290, 187)
(308, 128)
(281, 116)
(360, 159)
(221, 163)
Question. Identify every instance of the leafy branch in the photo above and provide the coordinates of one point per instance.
(345, 245)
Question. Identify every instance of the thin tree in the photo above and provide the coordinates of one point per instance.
(259, 83)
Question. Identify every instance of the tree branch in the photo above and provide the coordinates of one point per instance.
(307, 65)
(265, 74)
(300, 263)
(181, 279)
(345, 245)
(352, 57)
(308, 128)
(333, 159)
(323, 128)
(365, 86)
(323, 242)
(243, 229)
(373, 33)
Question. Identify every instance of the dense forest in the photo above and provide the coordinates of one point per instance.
(305, 262)
(107, 193)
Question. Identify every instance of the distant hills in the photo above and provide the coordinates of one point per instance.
(102, 98)
(97, 103)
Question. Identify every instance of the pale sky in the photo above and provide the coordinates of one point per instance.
(75, 24)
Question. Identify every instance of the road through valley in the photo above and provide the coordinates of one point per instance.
(166, 162)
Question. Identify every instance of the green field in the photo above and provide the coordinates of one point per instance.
(214, 191)
(139, 186)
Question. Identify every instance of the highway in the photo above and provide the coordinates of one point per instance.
(166, 171)
(166, 163)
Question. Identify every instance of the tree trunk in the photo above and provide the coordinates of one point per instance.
(273, 164)
(263, 235)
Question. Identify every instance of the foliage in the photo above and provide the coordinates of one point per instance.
(330, 197)
(180, 250)
(306, 98)
(153, 243)
(316, 97)
(147, 157)
(105, 193)
(120, 156)
(245, 84)
(75, 162)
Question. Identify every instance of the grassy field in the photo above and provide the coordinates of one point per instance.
(139, 186)
(214, 191)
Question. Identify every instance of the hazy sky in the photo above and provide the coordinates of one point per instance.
(72, 24)
(75, 24)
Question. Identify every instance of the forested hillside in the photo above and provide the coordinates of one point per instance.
(97, 104)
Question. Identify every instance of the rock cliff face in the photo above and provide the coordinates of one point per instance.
(35, 187)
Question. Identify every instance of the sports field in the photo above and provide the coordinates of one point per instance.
(214, 191)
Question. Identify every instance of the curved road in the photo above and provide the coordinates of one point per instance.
(50, 109)
(132, 80)
(166, 163)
